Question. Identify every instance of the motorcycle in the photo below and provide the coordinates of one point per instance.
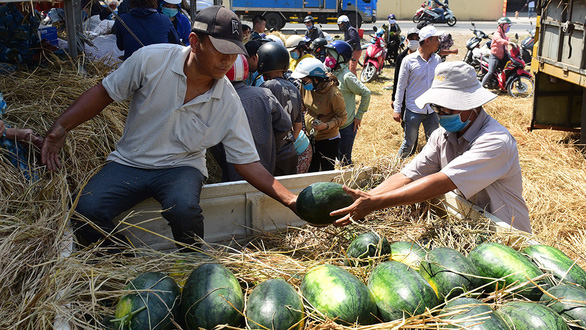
(374, 60)
(513, 78)
(473, 44)
(427, 14)
(527, 46)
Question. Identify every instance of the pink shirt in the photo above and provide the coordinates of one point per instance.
(499, 43)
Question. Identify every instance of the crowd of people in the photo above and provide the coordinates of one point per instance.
(266, 106)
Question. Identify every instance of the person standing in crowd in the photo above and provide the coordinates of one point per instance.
(392, 36)
(498, 49)
(340, 52)
(267, 119)
(273, 62)
(181, 104)
(352, 37)
(254, 78)
(246, 31)
(259, 24)
(415, 77)
(143, 25)
(172, 9)
(326, 111)
(412, 44)
(298, 50)
(471, 154)
(313, 32)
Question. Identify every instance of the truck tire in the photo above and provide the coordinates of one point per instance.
(355, 19)
(274, 21)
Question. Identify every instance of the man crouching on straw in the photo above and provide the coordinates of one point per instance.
(471, 153)
(181, 105)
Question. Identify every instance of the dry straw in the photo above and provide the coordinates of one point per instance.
(39, 287)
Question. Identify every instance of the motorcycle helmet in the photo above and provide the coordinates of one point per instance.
(309, 67)
(504, 20)
(239, 71)
(318, 45)
(296, 42)
(271, 57)
(308, 19)
(343, 19)
(391, 17)
(413, 31)
(341, 49)
(274, 38)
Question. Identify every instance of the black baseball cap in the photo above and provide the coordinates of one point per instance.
(223, 27)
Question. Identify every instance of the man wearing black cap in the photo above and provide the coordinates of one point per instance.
(181, 104)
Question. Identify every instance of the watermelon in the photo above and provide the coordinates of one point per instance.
(399, 290)
(338, 294)
(570, 302)
(497, 261)
(152, 303)
(449, 272)
(274, 304)
(524, 315)
(367, 245)
(472, 314)
(316, 201)
(554, 261)
(408, 253)
(211, 296)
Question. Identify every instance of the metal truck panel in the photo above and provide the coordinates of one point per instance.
(275, 5)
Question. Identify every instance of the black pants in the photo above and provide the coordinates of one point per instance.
(324, 155)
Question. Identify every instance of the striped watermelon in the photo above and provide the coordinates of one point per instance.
(497, 261)
(569, 302)
(408, 253)
(151, 304)
(211, 296)
(338, 294)
(399, 291)
(524, 315)
(449, 272)
(472, 314)
(274, 304)
(316, 201)
(554, 261)
(366, 245)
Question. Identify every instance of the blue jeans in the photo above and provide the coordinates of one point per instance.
(412, 122)
(347, 136)
(530, 11)
(116, 188)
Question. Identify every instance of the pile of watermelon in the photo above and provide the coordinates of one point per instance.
(543, 289)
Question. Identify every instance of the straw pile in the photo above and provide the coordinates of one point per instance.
(40, 288)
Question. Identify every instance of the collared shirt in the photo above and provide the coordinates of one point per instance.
(483, 164)
(415, 78)
(160, 130)
(350, 86)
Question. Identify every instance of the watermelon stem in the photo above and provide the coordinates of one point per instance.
(125, 320)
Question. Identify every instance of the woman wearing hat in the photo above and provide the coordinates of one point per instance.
(172, 9)
(326, 111)
(471, 154)
(498, 48)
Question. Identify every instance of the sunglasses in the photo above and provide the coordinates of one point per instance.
(440, 110)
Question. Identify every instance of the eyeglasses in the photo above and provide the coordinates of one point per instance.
(440, 110)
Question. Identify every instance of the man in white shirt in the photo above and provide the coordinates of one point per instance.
(415, 77)
(181, 105)
(471, 153)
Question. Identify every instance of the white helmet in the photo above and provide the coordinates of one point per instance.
(309, 67)
(343, 19)
(276, 39)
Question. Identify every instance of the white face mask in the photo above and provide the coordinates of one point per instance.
(413, 45)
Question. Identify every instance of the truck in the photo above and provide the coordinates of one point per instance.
(559, 64)
(278, 13)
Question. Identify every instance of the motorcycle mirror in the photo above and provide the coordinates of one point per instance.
(474, 25)
(517, 36)
(374, 28)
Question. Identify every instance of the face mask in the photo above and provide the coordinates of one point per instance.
(508, 28)
(309, 27)
(452, 123)
(308, 87)
(169, 12)
(392, 21)
(413, 45)
(330, 62)
(294, 55)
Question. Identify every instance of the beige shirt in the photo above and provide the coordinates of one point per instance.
(483, 164)
(162, 132)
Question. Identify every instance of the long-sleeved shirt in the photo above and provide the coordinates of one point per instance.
(327, 105)
(499, 43)
(415, 77)
(352, 38)
(314, 33)
(350, 86)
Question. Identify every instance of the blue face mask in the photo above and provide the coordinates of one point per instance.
(169, 12)
(294, 55)
(309, 27)
(308, 87)
(452, 123)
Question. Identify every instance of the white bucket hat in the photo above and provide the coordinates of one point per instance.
(455, 87)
